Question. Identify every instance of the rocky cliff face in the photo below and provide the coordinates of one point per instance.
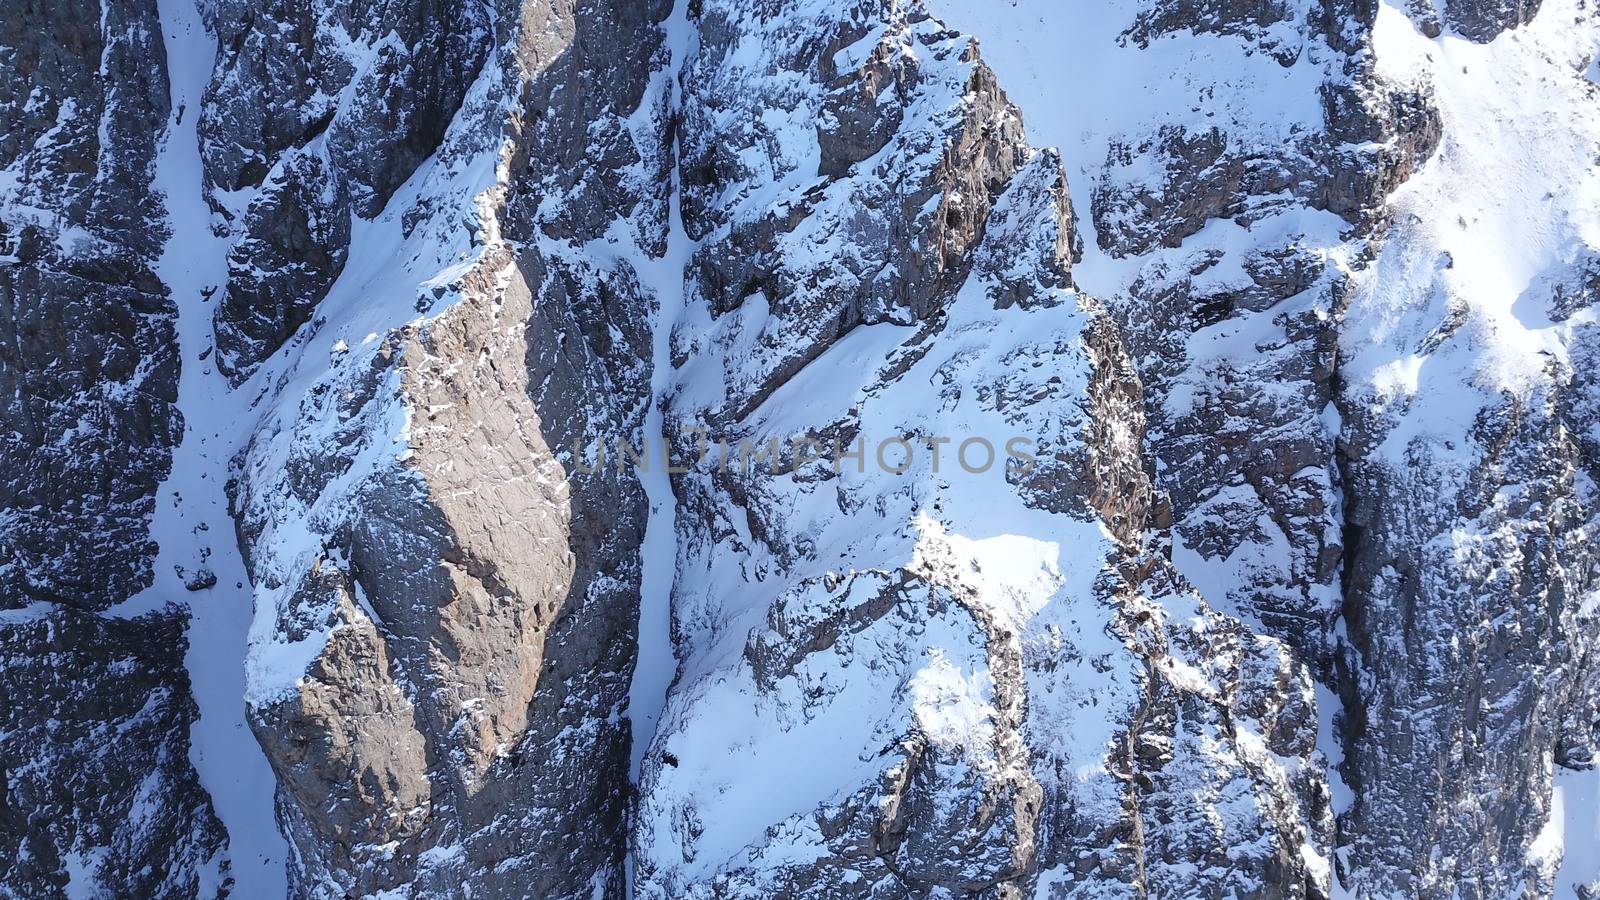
(1020, 624)
(315, 113)
(94, 735)
(1470, 581)
(1135, 449)
(90, 363)
(1360, 538)
(446, 602)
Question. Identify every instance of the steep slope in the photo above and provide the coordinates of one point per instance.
(446, 603)
(1469, 414)
(90, 352)
(1228, 154)
(316, 113)
(1374, 434)
(975, 674)
(1201, 507)
(95, 731)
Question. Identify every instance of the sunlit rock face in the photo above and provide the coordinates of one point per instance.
(1372, 427)
(1143, 448)
(1019, 695)
(445, 603)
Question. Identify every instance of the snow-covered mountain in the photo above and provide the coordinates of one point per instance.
(799, 448)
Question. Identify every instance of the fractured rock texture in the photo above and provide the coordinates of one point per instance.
(318, 112)
(1276, 321)
(1004, 668)
(457, 598)
(90, 363)
(94, 736)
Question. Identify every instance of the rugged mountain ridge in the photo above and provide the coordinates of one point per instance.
(462, 596)
(95, 735)
(990, 653)
(1510, 503)
(1300, 319)
(1291, 597)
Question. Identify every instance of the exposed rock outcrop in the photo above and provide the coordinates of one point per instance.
(446, 602)
(318, 112)
(1470, 577)
(1200, 507)
(100, 793)
(1358, 420)
(97, 784)
(1240, 438)
(1050, 708)
(90, 364)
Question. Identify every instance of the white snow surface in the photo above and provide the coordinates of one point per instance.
(1454, 312)
(800, 687)
(1574, 831)
(656, 664)
(192, 525)
(663, 278)
(1451, 316)
(236, 653)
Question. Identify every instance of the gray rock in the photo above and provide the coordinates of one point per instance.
(94, 752)
(90, 368)
(798, 622)
(1484, 20)
(910, 225)
(94, 738)
(888, 683)
(1469, 657)
(317, 113)
(473, 593)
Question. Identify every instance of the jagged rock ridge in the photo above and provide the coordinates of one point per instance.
(1291, 594)
(95, 731)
